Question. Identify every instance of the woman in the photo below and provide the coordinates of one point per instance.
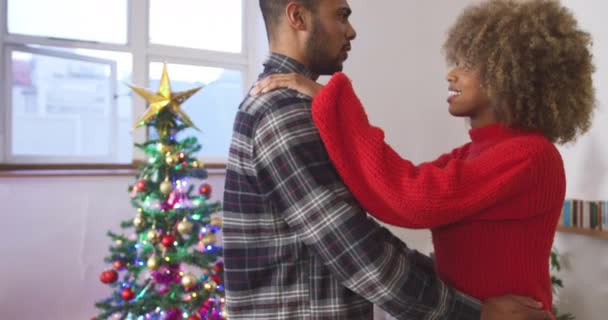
(523, 76)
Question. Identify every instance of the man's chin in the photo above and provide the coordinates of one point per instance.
(338, 67)
(329, 71)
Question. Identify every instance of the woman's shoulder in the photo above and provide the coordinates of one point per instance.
(533, 146)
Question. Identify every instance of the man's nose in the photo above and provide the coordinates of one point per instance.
(351, 33)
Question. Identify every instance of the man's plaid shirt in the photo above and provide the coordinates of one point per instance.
(296, 243)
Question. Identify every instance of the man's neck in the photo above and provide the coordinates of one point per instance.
(296, 58)
(293, 53)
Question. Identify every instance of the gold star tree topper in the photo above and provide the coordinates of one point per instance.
(164, 98)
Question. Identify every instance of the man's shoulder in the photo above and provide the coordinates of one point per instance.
(275, 101)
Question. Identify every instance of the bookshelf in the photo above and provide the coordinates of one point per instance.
(584, 232)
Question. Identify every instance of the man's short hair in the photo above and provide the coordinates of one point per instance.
(273, 10)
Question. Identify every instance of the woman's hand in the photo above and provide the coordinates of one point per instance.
(293, 81)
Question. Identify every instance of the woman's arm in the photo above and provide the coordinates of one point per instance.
(393, 189)
(428, 195)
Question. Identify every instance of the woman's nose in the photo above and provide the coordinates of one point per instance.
(451, 76)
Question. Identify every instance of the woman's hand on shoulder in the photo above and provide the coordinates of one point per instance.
(293, 81)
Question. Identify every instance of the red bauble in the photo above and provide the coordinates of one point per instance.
(218, 267)
(217, 279)
(127, 294)
(205, 190)
(141, 185)
(194, 317)
(168, 240)
(119, 265)
(108, 276)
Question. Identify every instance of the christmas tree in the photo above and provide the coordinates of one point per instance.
(165, 262)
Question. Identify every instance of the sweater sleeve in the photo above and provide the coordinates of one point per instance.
(398, 192)
(444, 159)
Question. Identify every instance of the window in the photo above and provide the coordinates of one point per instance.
(70, 19)
(64, 94)
(197, 27)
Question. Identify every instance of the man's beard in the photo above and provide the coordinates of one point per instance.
(320, 60)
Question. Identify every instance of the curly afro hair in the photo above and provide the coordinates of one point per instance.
(534, 61)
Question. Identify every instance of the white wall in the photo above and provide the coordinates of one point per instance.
(398, 71)
(586, 259)
(54, 241)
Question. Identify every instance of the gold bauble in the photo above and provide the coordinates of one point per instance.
(170, 159)
(188, 280)
(139, 221)
(166, 187)
(210, 286)
(184, 227)
(208, 239)
(153, 262)
(195, 164)
(224, 313)
(153, 236)
(118, 242)
(217, 222)
(164, 148)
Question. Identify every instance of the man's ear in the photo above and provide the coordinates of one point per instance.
(297, 16)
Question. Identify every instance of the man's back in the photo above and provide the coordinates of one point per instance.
(271, 274)
(296, 244)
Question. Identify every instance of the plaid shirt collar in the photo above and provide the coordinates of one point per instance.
(278, 63)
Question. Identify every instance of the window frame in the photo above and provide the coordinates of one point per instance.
(143, 54)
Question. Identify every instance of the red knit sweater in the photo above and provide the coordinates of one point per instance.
(492, 205)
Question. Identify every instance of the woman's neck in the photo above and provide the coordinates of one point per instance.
(483, 119)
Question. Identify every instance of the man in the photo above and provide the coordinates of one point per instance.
(296, 243)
